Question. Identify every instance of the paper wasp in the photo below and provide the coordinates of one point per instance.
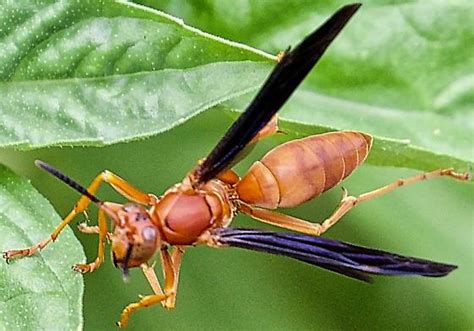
(199, 210)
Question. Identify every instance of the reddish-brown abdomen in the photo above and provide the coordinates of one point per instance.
(302, 169)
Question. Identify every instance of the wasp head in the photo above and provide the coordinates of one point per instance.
(135, 238)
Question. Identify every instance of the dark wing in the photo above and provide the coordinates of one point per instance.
(284, 79)
(347, 259)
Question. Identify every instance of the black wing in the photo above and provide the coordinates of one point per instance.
(284, 79)
(347, 259)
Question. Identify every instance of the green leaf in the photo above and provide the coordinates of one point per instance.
(117, 108)
(110, 72)
(39, 292)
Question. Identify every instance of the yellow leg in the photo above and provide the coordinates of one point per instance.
(18, 253)
(149, 272)
(346, 204)
(281, 220)
(144, 302)
(150, 300)
(150, 275)
(83, 268)
(176, 258)
(349, 202)
(93, 229)
(268, 130)
(84, 228)
(120, 185)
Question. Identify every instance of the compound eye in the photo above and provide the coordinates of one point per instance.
(149, 234)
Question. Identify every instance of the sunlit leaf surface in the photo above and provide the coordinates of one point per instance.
(39, 292)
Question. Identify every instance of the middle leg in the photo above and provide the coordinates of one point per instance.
(281, 220)
(170, 285)
(176, 258)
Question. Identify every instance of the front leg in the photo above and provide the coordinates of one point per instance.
(91, 229)
(19, 253)
(144, 302)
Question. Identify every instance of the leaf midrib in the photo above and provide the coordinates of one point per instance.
(106, 77)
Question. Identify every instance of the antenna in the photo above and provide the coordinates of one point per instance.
(69, 181)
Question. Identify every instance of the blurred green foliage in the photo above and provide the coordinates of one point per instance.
(231, 289)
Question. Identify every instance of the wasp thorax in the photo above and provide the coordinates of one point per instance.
(186, 215)
(135, 238)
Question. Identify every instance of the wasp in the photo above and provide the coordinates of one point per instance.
(199, 209)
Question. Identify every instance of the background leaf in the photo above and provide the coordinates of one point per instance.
(40, 292)
(110, 71)
(401, 71)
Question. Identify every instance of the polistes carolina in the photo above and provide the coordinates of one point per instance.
(198, 210)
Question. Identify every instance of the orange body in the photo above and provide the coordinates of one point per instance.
(287, 176)
(184, 213)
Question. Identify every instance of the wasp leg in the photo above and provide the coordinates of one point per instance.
(346, 204)
(149, 272)
(18, 253)
(150, 275)
(88, 229)
(349, 202)
(91, 229)
(281, 220)
(176, 258)
(122, 187)
(84, 268)
(268, 130)
(144, 302)
(153, 299)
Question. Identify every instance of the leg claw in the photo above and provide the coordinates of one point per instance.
(81, 268)
(345, 193)
(13, 254)
(81, 226)
(6, 257)
(120, 324)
